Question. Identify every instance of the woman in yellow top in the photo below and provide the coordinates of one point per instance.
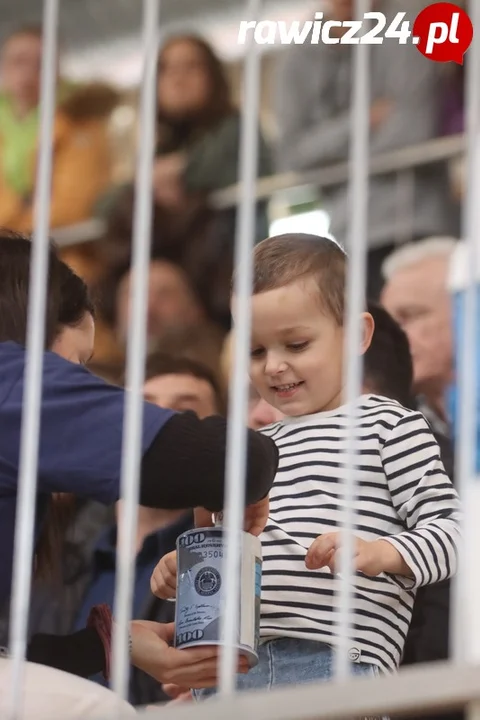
(82, 163)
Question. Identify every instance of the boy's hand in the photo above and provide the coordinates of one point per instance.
(163, 582)
(370, 557)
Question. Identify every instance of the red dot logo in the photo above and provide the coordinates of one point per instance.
(443, 32)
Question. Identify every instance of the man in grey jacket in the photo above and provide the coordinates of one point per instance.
(313, 100)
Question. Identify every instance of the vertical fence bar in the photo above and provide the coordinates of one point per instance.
(353, 366)
(136, 352)
(30, 430)
(462, 637)
(236, 438)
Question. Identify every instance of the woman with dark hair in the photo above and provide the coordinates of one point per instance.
(197, 152)
(198, 128)
(81, 449)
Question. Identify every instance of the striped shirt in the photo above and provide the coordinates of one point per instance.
(403, 495)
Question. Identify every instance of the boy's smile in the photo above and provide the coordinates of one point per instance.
(287, 391)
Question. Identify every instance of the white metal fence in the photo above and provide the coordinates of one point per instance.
(424, 687)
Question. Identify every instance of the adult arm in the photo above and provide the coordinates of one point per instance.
(189, 454)
(81, 443)
(84, 654)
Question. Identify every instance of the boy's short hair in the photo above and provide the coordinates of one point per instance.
(284, 259)
(388, 367)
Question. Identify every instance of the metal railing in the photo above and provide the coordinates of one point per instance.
(427, 153)
(433, 151)
(416, 690)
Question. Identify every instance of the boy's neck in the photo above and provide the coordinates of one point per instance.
(339, 402)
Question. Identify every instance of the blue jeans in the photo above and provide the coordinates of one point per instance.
(290, 661)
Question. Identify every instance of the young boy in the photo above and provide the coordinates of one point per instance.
(406, 526)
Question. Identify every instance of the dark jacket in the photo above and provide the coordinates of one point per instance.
(428, 636)
(53, 604)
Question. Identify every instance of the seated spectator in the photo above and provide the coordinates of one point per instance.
(198, 137)
(181, 384)
(313, 101)
(416, 295)
(82, 162)
(172, 301)
(198, 124)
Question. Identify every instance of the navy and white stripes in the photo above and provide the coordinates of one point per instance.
(403, 495)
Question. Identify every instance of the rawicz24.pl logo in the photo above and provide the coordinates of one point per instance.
(442, 31)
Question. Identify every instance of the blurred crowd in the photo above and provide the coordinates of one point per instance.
(188, 320)
(198, 125)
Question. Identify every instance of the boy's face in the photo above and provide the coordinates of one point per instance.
(297, 350)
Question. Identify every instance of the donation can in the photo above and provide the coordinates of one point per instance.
(200, 597)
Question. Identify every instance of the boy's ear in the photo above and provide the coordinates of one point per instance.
(368, 324)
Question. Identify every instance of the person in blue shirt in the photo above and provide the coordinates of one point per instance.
(81, 447)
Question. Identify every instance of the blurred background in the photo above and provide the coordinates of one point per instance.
(416, 189)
